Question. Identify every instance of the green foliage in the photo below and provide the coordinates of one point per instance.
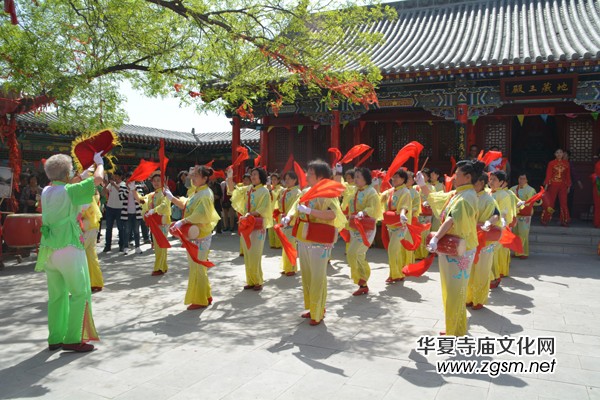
(233, 52)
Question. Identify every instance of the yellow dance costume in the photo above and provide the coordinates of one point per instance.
(435, 222)
(200, 211)
(313, 255)
(365, 200)
(507, 206)
(286, 200)
(524, 216)
(461, 205)
(421, 251)
(479, 283)
(248, 199)
(162, 206)
(274, 241)
(347, 197)
(91, 223)
(396, 199)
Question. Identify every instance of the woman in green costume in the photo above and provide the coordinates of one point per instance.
(62, 255)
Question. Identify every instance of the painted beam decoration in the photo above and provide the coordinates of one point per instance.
(539, 87)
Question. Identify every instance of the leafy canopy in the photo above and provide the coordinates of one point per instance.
(217, 54)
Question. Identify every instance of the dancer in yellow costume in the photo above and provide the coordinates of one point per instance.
(245, 182)
(416, 210)
(458, 212)
(398, 200)
(198, 210)
(489, 214)
(523, 192)
(507, 206)
(316, 227)
(90, 215)
(421, 251)
(348, 194)
(365, 204)
(286, 200)
(276, 189)
(434, 176)
(157, 203)
(254, 200)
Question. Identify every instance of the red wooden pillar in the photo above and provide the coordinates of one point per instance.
(235, 142)
(264, 143)
(335, 132)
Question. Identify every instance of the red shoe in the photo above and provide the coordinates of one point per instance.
(313, 322)
(78, 347)
(501, 276)
(210, 301)
(54, 347)
(257, 288)
(494, 284)
(305, 315)
(523, 257)
(469, 304)
(361, 291)
(157, 273)
(362, 282)
(389, 280)
(96, 289)
(248, 287)
(477, 307)
(442, 333)
(195, 306)
(398, 280)
(292, 273)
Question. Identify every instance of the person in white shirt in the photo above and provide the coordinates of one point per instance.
(112, 212)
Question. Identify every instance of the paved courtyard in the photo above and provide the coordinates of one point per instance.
(254, 345)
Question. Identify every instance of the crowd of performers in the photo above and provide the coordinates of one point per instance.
(465, 221)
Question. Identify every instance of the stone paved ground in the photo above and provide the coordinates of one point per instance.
(250, 345)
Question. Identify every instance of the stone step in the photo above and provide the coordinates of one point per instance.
(562, 249)
(550, 239)
(570, 231)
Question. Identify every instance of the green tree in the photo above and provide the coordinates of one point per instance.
(217, 54)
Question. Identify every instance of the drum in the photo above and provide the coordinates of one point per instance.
(450, 245)
(426, 211)
(368, 223)
(22, 230)
(391, 218)
(493, 235)
(191, 231)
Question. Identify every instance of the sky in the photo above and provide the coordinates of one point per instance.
(167, 114)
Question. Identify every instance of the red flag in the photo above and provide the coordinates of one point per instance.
(385, 236)
(324, 188)
(354, 152)
(415, 229)
(536, 197)
(301, 175)
(365, 158)
(209, 164)
(162, 158)
(245, 228)
(361, 230)
(218, 174)
(191, 248)
(452, 164)
(480, 244)
(418, 269)
(288, 165)
(377, 173)
(511, 241)
(345, 235)
(241, 157)
(154, 221)
(257, 161)
(489, 157)
(448, 182)
(290, 250)
(337, 153)
(143, 171)
(413, 149)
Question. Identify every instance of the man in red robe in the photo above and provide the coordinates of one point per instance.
(557, 183)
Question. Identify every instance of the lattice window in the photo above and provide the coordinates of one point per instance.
(379, 144)
(400, 137)
(495, 135)
(300, 141)
(447, 144)
(423, 133)
(581, 138)
(281, 144)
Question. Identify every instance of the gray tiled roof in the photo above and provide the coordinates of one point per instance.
(147, 134)
(439, 34)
